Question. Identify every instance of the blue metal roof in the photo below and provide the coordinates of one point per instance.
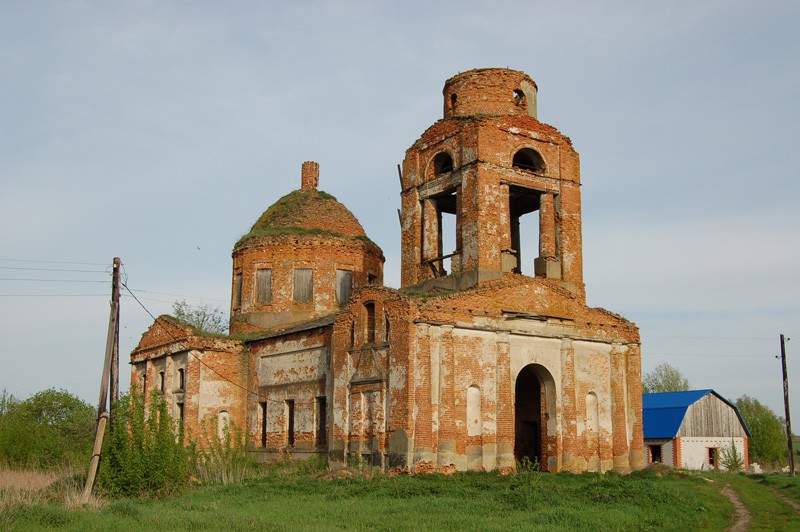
(663, 413)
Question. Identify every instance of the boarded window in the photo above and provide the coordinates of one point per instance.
(237, 290)
(264, 286)
(303, 285)
(344, 286)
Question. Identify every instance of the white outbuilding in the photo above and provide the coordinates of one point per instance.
(692, 429)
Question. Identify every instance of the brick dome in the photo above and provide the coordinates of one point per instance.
(307, 211)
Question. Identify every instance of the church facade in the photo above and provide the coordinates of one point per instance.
(470, 365)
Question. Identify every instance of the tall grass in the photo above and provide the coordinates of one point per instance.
(36, 487)
(221, 458)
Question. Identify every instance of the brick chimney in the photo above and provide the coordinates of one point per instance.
(310, 175)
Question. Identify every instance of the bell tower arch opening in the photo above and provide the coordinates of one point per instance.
(523, 204)
(531, 413)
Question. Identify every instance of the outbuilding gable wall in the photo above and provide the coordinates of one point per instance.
(711, 416)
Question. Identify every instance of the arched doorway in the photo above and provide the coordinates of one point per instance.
(529, 409)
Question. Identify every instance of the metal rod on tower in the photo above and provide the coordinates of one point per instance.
(112, 341)
(786, 406)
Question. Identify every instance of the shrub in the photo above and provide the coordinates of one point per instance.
(143, 456)
(731, 459)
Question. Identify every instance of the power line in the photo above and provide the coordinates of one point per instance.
(139, 290)
(52, 280)
(56, 262)
(189, 351)
(187, 347)
(708, 337)
(706, 355)
(50, 269)
(53, 295)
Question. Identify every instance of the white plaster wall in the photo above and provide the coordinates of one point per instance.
(532, 350)
(593, 374)
(298, 366)
(694, 451)
(475, 363)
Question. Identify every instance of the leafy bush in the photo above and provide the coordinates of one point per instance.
(143, 456)
(50, 428)
(731, 459)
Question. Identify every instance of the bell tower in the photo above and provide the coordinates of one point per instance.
(484, 166)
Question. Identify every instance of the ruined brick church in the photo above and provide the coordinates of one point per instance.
(470, 365)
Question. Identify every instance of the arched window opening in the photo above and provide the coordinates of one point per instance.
(592, 413)
(474, 424)
(519, 98)
(370, 308)
(181, 379)
(528, 159)
(386, 327)
(524, 205)
(353, 334)
(442, 163)
(442, 238)
(453, 100)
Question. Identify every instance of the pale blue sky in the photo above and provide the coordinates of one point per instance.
(159, 131)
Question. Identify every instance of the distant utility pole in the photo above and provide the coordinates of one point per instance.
(786, 406)
(109, 372)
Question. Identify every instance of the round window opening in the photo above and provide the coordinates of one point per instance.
(530, 160)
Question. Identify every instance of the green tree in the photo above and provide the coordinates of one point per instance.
(664, 378)
(49, 428)
(767, 443)
(202, 317)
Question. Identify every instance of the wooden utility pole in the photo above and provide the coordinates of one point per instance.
(109, 372)
(786, 406)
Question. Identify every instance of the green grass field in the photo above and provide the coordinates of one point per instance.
(291, 500)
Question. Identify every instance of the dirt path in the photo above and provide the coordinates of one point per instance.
(786, 499)
(742, 516)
